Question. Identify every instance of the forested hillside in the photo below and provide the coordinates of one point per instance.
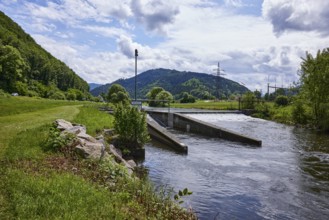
(200, 85)
(26, 68)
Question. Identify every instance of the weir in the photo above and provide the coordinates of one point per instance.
(161, 134)
(185, 123)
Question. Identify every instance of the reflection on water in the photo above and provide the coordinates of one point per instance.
(287, 178)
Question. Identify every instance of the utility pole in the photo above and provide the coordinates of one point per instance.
(136, 55)
(218, 74)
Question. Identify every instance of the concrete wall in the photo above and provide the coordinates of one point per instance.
(159, 117)
(161, 134)
(188, 124)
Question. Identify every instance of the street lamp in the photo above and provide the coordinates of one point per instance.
(136, 55)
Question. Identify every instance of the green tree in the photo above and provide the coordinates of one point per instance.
(315, 81)
(130, 125)
(258, 94)
(12, 67)
(164, 95)
(248, 100)
(21, 88)
(281, 100)
(187, 98)
(118, 94)
(152, 95)
(71, 95)
(299, 112)
(57, 95)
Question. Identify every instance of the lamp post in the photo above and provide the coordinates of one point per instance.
(136, 55)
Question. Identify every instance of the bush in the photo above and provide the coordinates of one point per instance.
(164, 95)
(130, 125)
(187, 98)
(248, 100)
(299, 113)
(322, 121)
(21, 88)
(4, 94)
(281, 100)
(262, 111)
(57, 95)
(32, 93)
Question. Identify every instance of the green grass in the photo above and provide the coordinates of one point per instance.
(93, 119)
(221, 105)
(40, 184)
(16, 105)
(58, 196)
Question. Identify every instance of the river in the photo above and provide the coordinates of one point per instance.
(286, 178)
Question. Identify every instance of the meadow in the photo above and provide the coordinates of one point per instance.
(38, 183)
(213, 105)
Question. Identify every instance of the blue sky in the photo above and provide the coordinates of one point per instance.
(256, 41)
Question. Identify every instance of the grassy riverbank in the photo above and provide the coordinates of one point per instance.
(267, 110)
(212, 105)
(36, 183)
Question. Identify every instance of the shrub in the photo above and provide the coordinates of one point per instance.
(57, 95)
(187, 98)
(299, 113)
(130, 125)
(262, 111)
(21, 88)
(3, 94)
(56, 141)
(164, 95)
(281, 100)
(248, 100)
(32, 93)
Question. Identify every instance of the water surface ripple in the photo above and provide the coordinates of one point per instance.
(287, 178)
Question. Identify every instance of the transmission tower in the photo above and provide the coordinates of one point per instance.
(219, 73)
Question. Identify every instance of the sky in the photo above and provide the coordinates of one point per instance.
(255, 41)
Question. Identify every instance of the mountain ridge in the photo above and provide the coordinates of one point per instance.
(176, 82)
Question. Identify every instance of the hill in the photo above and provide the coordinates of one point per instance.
(26, 68)
(200, 85)
(94, 85)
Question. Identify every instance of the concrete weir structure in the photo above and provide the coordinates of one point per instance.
(161, 134)
(185, 123)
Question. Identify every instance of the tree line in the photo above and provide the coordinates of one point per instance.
(308, 99)
(26, 68)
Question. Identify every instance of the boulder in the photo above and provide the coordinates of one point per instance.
(89, 147)
(89, 150)
(63, 125)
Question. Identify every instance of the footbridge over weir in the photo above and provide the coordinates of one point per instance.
(177, 119)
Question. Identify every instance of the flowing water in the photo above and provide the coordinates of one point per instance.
(287, 178)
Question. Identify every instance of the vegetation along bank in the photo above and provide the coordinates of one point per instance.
(41, 178)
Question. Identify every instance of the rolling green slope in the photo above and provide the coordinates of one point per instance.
(26, 67)
(176, 82)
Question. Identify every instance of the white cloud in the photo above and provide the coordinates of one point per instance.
(187, 35)
(297, 15)
(112, 32)
(154, 14)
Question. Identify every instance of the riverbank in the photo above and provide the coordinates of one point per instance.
(36, 183)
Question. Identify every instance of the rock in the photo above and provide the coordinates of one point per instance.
(100, 137)
(132, 163)
(109, 132)
(89, 150)
(87, 137)
(76, 130)
(63, 125)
